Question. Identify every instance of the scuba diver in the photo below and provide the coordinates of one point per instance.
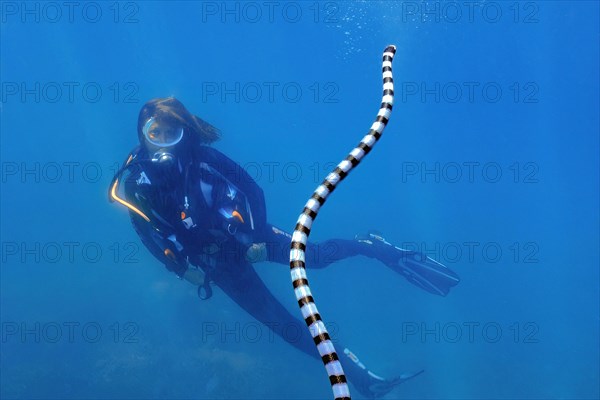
(203, 217)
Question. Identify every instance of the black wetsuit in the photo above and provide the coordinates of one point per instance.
(217, 243)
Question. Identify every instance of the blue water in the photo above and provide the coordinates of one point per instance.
(489, 164)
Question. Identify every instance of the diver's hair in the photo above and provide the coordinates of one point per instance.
(171, 109)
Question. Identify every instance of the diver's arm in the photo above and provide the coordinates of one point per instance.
(155, 233)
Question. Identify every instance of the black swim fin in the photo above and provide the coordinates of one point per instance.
(366, 382)
(426, 273)
(416, 267)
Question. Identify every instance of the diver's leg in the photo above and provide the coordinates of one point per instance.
(318, 255)
(416, 267)
(243, 285)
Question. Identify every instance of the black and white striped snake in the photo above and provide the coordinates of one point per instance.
(302, 230)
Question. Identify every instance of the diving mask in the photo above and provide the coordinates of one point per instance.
(162, 135)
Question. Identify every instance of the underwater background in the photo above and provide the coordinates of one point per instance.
(489, 164)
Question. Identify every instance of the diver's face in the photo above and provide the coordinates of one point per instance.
(162, 138)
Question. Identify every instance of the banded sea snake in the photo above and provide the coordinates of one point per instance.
(304, 296)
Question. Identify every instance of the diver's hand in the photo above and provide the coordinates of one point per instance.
(194, 276)
(257, 253)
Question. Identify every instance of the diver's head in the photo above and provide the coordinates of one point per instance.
(168, 131)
